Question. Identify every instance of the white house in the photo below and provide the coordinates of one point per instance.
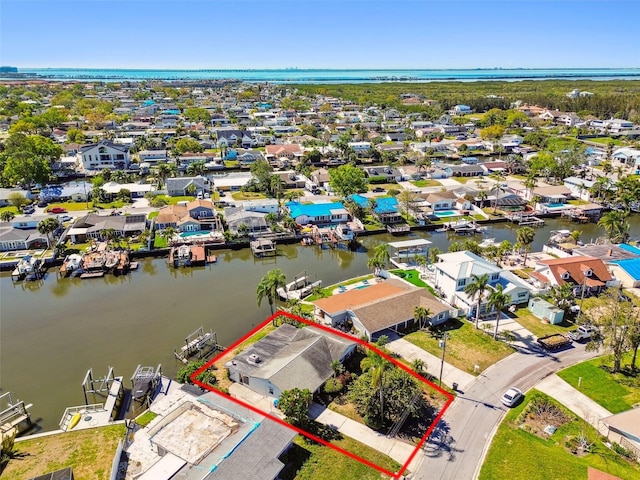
(153, 156)
(105, 154)
(579, 187)
(461, 110)
(454, 271)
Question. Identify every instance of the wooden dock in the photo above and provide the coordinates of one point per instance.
(525, 220)
(398, 229)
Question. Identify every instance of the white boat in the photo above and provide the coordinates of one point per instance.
(344, 232)
(181, 256)
(488, 242)
(72, 263)
(26, 267)
(299, 288)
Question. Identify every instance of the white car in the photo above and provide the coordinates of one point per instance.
(64, 218)
(511, 397)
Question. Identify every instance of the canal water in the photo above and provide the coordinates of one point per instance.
(52, 331)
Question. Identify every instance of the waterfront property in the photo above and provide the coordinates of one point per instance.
(587, 275)
(387, 305)
(454, 271)
(195, 216)
(181, 186)
(93, 226)
(288, 358)
(318, 213)
(225, 441)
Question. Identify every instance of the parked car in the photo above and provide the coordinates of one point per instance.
(42, 203)
(28, 209)
(65, 218)
(378, 189)
(511, 397)
(57, 210)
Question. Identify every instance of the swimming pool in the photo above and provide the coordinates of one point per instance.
(194, 234)
(555, 205)
(447, 213)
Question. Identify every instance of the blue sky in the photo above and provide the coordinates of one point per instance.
(210, 34)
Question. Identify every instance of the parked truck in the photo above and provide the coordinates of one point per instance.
(583, 333)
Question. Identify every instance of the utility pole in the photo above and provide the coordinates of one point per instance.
(443, 346)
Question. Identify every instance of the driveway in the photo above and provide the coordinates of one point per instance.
(458, 444)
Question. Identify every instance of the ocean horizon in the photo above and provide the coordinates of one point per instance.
(295, 75)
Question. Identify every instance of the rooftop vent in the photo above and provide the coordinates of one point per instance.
(254, 359)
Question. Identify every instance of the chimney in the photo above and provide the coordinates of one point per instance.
(610, 252)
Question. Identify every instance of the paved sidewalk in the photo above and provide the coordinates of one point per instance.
(396, 449)
(411, 352)
(575, 401)
(524, 338)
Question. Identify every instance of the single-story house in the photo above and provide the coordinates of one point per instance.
(289, 357)
(180, 186)
(255, 222)
(386, 208)
(5, 194)
(318, 213)
(387, 305)
(12, 238)
(624, 429)
(95, 226)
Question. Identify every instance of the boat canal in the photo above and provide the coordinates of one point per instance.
(54, 329)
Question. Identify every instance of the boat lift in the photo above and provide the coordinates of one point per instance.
(145, 382)
(198, 343)
(15, 417)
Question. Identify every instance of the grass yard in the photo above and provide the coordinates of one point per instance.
(153, 215)
(159, 241)
(10, 208)
(466, 346)
(606, 140)
(536, 326)
(240, 196)
(312, 461)
(426, 183)
(518, 454)
(89, 452)
(615, 392)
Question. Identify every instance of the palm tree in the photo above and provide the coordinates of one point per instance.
(47, 227)
(498, 300)
(7, 216)
(168, 234)
(164, 170)
(374, 264)
(433, 254)
(477, 288)
(531, 182)
(421, 314)
(418, 366)
(421, 261)
(196, 168)
(268, 287)
(499, 179)
(615, 226)
(375, 365)
(289, 223)
(337, 368)
(381, 253)
(525, 236)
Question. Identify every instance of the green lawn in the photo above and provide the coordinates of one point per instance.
(466, 346)
(605, 140)
(159, 242)
(517, 454)
(10, 208)
(426, 183)
(90, 452)
(320, 463)
(615, 392)
(153, 215)
(76, 206)
(536, 326)
(240, 196)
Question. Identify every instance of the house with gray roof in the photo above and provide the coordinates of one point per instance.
(95, 226)
(180, 186)
(289, 357)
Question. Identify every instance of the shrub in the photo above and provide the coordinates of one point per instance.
(333, 385)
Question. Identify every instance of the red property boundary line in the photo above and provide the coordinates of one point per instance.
(309, 435)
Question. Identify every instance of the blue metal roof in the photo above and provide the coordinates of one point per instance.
(312, 209)
(383, 204)
(630, 248)
(631, 266)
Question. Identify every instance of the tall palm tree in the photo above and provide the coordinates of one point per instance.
(499, 179)
(477, 288)
(374, 264)
(421, 314)
(268, 287)
(47, 227)
(164, 170)
(498, 300)
(615, 226)
(530, 183)
(196, 168)
(381, 253)
(525, 236)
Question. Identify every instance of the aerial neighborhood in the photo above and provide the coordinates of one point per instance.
(480, 284)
